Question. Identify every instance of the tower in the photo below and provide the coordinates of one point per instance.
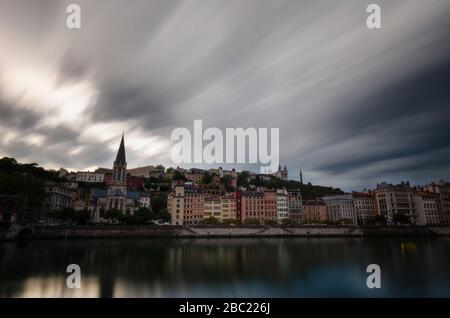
(284, 173)
(117, 191)
(301, 177)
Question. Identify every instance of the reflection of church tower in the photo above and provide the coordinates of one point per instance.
(117, 191)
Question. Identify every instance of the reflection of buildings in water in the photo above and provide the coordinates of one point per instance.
(55, 286)
(156, 267)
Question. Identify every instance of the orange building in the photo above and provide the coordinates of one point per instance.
(260, 205)
(186, 205)
(313, 210)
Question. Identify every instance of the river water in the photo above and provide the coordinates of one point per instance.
(247, 267)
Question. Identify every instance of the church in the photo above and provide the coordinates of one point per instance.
(116, 196)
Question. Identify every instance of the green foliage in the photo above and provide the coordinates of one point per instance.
(270, 222)
(251, 221)
(163, 187)
(25, 182)
(345, 221)
(379, 219)
(114, 214)
(158, 202)
(308, 191)
(288, 222)
(163, 215)
(242, 179)
(401, 219)
(81, 217)
(211, 221)
(161, 167)
(226, 181)
(143, 215)
(207, 178)
(230, 221)
(179, 176)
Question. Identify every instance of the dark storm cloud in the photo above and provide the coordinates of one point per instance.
(16, 118)
(412, 114)
(353, 105)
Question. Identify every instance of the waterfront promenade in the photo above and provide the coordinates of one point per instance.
(122, 231)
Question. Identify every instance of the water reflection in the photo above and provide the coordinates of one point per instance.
(226, 267)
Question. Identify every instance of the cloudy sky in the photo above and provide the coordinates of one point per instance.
(354, 106)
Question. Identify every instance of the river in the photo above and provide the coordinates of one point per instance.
(235, 267)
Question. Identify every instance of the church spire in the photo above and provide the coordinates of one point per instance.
(121, 153)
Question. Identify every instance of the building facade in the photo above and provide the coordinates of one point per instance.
(427, 208)
(395, 199)
(313, 211)
(365, 207)
(282, 206)
(442, 189)
(57, 196)
(340, 208)
(185, 203)
(117, 195)
(260, 205)
(90, 177)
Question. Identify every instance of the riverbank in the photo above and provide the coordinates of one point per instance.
(117, 231)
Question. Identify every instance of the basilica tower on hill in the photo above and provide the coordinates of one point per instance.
(117, 191)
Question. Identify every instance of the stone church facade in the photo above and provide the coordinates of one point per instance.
(116, 196)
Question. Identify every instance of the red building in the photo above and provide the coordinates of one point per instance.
(135, 183)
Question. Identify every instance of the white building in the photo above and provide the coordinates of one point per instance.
(340, 208)
(282, 206)
(426, 208)
(57, 196)
(365, 207)
(213, 208)
(87, 176)
(395, 199)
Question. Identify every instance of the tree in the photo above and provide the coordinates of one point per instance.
(226, 181)
(179, 176)
(207, 178)
(114, 214)
(252, 221)
(158, 202)
(164, 187)
(270, 222)
(163, 215)
(229, 222)
(211, 221)
(379, 219)
(143, 215)
(83, 216)
(400, 218)
(242, 179)
(288, 222)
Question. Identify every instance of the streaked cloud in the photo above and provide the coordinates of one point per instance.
(354, 106)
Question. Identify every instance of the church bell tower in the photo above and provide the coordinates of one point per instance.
(117, 191)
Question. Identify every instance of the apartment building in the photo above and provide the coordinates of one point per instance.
(294, 205)
(427, 208)
(260, 205)
(91, 177)
(395, 199)
(340, 208)
(365, 207)
(186, 204)
(282, 206)
(313, 211)
(442, 189)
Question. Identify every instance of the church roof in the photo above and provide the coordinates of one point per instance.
(121, 153)
(117, 193)
(133, 195)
